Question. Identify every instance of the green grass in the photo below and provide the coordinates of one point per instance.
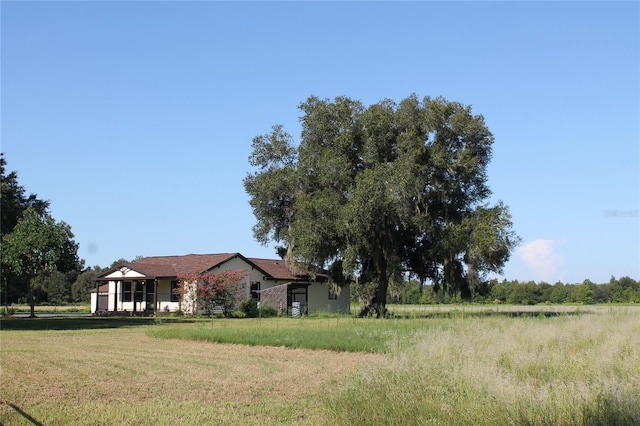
(116, 376)
(69, 323)
(468, 366)
(77, 308)
(337, 334)
(344, 333)
(456, 365)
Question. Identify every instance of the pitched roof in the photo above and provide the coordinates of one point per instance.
(168, 266)
(104, 288)
(173, 266)
(278, 269)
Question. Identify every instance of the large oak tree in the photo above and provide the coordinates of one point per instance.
(389, 189)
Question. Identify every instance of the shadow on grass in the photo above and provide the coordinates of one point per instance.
(486, 314)
(83, 323)
(24, 415)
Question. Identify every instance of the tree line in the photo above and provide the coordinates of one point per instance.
(617, 290)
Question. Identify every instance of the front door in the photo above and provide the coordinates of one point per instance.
(103, 302)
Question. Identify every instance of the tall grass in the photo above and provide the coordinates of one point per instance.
(456, 367)
(580, 370)
(342, 334)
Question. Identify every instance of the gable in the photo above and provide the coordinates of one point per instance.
(124, 272)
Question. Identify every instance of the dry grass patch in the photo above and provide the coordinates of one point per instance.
(571, 370)
(124, 376)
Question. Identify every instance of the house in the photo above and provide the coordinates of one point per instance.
(148, 285)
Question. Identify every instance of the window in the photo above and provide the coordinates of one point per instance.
(333, 293)
(150, 290)
(138, 294)
(126, 291)
(175, 295)
(255, 290)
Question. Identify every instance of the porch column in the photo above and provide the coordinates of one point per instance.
(134, 290)
(116, 284)
(155, 295)
(97, 297)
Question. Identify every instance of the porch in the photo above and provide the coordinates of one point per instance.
(137, 297)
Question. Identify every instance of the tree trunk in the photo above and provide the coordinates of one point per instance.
(378, 305)
(32, 301)
(6, 297)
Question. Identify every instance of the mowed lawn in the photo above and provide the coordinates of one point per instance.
(572, 366)
(122, 376)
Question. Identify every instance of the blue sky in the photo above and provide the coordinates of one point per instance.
(136, 118)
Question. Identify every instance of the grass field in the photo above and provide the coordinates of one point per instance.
(574, 366)
(25, 308)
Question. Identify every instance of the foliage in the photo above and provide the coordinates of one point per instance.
(250, 308)
(513, 292)
(362, 293)
(14, 201)
(213, 292)
(405, 291)
(624, 290)
(38, 246)
(384, 190)
(268, 312)
(54, 286)
(83, 284)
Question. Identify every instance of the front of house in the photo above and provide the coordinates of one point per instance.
(149, 285)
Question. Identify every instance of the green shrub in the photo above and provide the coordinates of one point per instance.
(250, 308)
(268, 312)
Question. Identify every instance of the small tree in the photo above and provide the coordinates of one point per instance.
(210, 292)
(38, 245)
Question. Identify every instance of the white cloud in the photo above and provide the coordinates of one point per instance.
(543, 262)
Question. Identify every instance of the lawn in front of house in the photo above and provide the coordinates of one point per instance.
(577, 367)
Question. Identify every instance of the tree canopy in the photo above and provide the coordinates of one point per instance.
(36, 249)
(14, 200)
(385, 190)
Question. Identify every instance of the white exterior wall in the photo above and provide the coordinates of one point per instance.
(114, 286)
(164, 297)
(318, 299)
(237, 264)
(126, 274)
